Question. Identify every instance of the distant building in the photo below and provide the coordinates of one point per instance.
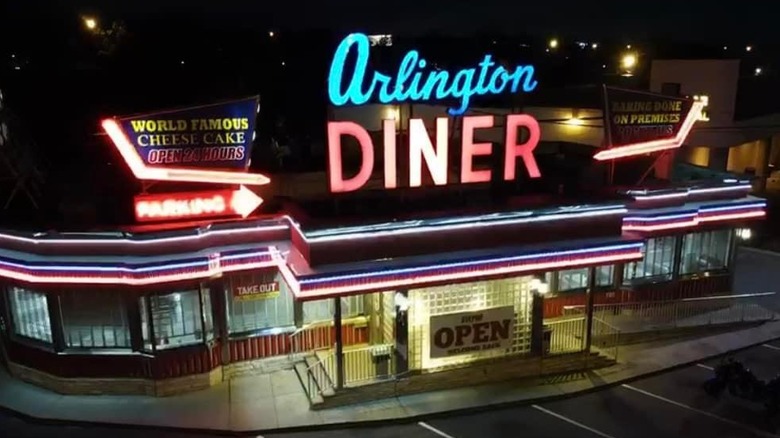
(740, 132)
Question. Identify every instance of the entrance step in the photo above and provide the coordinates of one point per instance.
(314, 379)
(308, 384)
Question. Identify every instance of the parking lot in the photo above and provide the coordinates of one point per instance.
(668, 405)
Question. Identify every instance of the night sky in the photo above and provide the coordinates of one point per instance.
(745, 21)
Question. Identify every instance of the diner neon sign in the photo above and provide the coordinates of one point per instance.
(433, 152)
(412, 83)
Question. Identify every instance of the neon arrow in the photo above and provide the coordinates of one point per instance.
(244, 201)
(196, 205)
(145, 172)
(655, 145)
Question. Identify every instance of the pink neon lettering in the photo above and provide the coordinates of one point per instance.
(524, 150)
(420, 146)
(338, 183)
(391, 179)
(471, 149)
(181, 207)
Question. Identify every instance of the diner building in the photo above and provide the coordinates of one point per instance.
(417, 289)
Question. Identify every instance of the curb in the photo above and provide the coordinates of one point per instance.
(761, 251)
(368, 423)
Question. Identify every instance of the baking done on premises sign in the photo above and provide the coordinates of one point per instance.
(640, 122)
(454, 334)
(209, 136)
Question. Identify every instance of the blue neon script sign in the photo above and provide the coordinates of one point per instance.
(413, 83)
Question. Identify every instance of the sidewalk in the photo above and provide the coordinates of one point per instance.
(276, 401)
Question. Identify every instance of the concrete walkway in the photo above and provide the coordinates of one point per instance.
(276, 401)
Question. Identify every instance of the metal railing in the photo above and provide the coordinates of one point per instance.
(605, 338)
(362, 365)
(566, 335)
(311, 337)
(318, 380)
(687, 312)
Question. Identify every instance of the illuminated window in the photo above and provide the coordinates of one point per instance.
(706, 251)
(264, 311)
(466, 297)
(573, 279)
(657, 261)
(94, 319)
(605, 275)
(30, 312)
(705, 116)
(322, 310)
(177, 319)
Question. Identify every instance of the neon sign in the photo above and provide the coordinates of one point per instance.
(435, 154)
(205, 144)
(196, 205)
(413, 83)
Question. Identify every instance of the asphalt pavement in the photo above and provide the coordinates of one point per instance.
(667, 405)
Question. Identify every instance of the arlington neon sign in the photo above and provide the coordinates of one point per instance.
(413, 83)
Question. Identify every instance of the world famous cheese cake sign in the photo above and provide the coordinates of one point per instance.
(211, 136)
(210, 144)
(454, 334)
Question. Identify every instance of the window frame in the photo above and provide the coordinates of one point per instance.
(345, 304)
(558, 273)
(149, 340)
(128, 315)
(13, 320)
(727, 262)
(656, 278)
(284, 293)
(612, 281)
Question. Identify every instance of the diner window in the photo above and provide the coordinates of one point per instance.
(705, 251)
(258, 301)
(322, 310)
(94, 319)
(657, 261)
(573, 279)
(176, 319)
(30, 312)
(605, 275)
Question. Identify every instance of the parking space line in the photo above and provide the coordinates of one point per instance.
(699, 411)
(771, 347)
(572, 422)
(706, 367)
(434, 430)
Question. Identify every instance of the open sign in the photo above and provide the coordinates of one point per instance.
(455, 334)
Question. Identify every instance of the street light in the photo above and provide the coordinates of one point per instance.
(553, 43)
(627, 63)
(90, 23)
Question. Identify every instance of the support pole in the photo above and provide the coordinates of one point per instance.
(591, 292)
(537, 323)
(339, 343)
